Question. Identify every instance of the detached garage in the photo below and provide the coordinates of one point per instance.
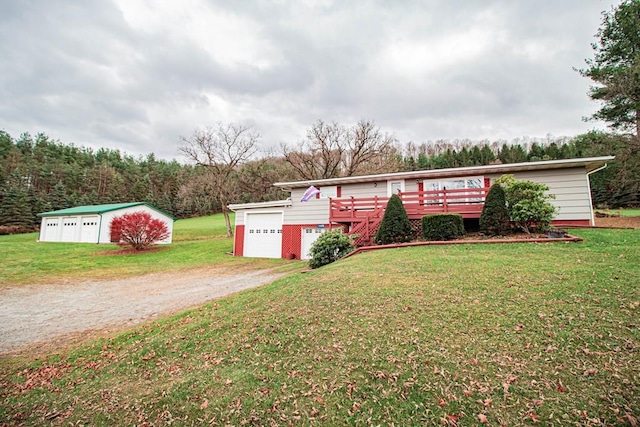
(90, 224)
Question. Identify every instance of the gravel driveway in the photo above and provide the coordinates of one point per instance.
(46, 314)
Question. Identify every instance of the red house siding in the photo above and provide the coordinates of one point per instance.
(238, 241)
(291, 240)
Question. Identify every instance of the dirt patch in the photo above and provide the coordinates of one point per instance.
(618, 221)
(36, 317)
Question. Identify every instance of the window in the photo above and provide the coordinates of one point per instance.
(329, 191)
(454, 184)
(394, 187)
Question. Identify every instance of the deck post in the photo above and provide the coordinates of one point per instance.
(444, 200)
(353, 208)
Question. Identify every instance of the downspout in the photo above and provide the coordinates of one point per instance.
(593, 220)
(100, 226)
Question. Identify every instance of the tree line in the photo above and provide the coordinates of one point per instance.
(39, 174)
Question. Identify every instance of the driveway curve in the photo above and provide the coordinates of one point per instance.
(38, 315)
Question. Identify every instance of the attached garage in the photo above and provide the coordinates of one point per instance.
(263, 235)
(91, 224)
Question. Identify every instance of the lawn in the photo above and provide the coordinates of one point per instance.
(198, 242)
(621, 212)
(460, 335)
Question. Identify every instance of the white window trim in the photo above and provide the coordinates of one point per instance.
(389, 184)
(329, 191)
(465, 178)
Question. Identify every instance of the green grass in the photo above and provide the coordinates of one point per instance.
(621, 212)
(518, 334)
(197, 242)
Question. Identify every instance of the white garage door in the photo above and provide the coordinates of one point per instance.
(69, 227)
(50, 229)
(263, 235)
(309, 236)
(89, 230)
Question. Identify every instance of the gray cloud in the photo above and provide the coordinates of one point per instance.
(136, 75)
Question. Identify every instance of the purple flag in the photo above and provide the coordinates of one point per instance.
(311, 192)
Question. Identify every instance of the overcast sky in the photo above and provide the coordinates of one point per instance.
(135, 75)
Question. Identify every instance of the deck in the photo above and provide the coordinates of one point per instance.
(363, 215)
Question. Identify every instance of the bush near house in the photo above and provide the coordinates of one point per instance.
(330, 247)
(442, 227)
(527, 203)
(494, 218)
(138, 230)
(395, 226)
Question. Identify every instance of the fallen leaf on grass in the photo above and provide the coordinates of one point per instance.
(483, 418)
(591, 371)
(451, 419)
(204, 404)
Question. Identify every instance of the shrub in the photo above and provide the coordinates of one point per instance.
(527, 204)
(494, 218)
(395, 226)
(442, 227)
(329, 247)
(138, 230)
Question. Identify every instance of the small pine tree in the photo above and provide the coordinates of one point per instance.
(395, 226)
(494, 219)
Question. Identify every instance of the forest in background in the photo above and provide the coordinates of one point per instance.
(40, 174)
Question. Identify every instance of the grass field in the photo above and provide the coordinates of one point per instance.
(197, 242)
(620, 212)
(520, 334)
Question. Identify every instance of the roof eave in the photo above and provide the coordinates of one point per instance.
(589, 163)
(273, 204)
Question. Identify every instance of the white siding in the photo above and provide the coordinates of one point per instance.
(570, 186)
(315, 211)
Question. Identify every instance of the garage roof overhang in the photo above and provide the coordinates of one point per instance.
(589, 163)
(258, 205)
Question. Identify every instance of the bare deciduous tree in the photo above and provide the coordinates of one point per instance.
(221, 150)
(368, 150)
(320, 155)
(332, 150)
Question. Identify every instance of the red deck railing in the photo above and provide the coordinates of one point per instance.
(468, 202)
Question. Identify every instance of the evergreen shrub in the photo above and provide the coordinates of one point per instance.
(494, 218)
(395, 226)
(329, 247)
(442, 227)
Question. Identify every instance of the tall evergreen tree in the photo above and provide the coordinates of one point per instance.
(15, 209)
(615, 68)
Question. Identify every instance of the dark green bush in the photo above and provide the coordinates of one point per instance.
(330, 247)
(442, 227)
(495, 217)
(395, 226)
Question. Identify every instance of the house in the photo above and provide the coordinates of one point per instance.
(90, 224)
(288, 228)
